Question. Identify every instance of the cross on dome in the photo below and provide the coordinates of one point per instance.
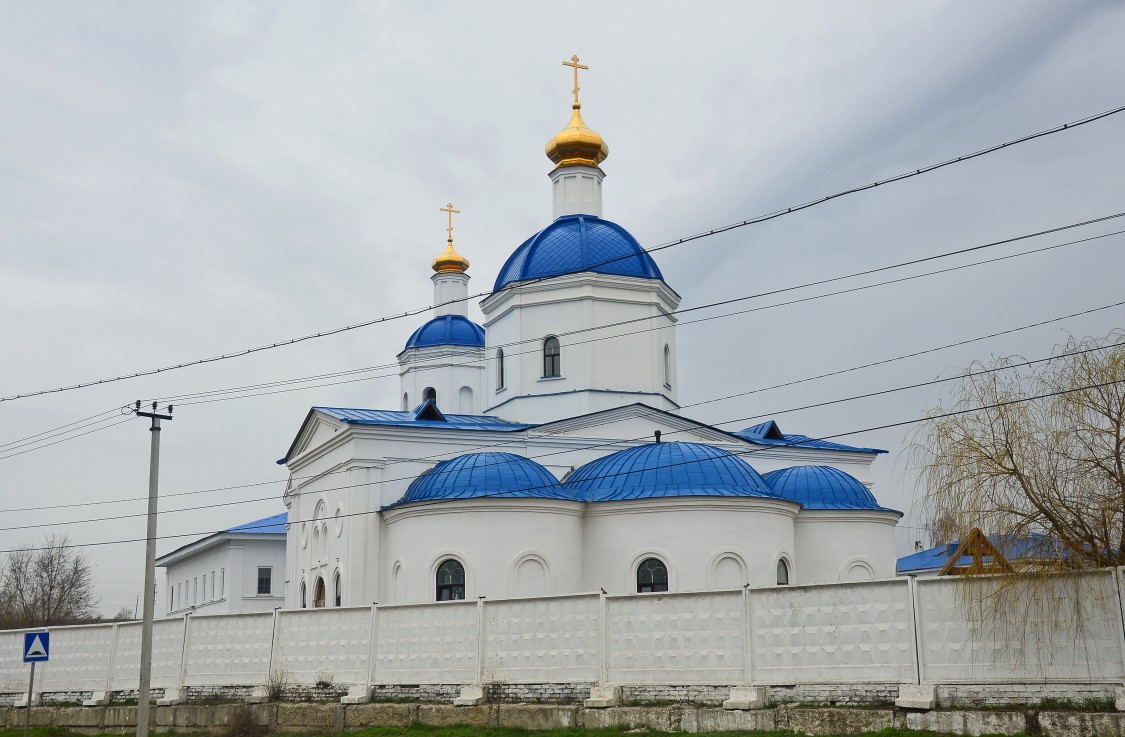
(574, 63)
(450, 261)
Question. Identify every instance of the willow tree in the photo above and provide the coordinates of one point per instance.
(1033, 454)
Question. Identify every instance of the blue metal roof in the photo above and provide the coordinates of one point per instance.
(485, 475)
(666, 470)
(447, 330)
(768, 433)
(1033, 546)
(411, 417)
(821, 487)
(576, 243)
(265, 526)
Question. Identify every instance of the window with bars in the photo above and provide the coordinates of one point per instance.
(265, 579)
(652, 576)
(450, 581)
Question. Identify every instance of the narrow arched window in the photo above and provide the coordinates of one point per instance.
(499, 368)
(782, 573)
(406, 400)
(667, 366)
(304, 601)
(552, 363)
(318, 594)
(450, 581)
(336, 585)
(652, 576)
(429, 393)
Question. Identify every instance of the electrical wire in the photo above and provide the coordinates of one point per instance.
(670, 244)
(418, 505)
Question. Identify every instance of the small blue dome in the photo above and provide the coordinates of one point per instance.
(666, 469)
(577, 243)
(447, 330)
(484, 475)
(821, 487)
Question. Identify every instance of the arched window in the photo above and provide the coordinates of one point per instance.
(337, 586)
(304, 602)
(652, 576)
(782, 573)
(552, 363)
(667, 366)
(499, 368)
(450, 581)
(318, 594)
(429, 393)
(406, 400)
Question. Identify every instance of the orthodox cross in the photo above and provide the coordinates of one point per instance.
(574, 63)
(449, 229)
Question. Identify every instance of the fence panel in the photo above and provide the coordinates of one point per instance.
(167, 655)
(835, 633)
(426, 643)
(323, 645)
(228, 650)
(549, 640)
(13, 671)
(676, 638)
(80, 658)
(1064, 630)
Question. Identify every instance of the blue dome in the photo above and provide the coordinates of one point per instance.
(577, 243)
(666, 469)
(484, 474)
(447, 330)
(821, 487)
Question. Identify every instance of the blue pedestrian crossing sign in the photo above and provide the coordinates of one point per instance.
(36, 646)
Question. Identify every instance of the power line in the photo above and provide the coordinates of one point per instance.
(670, 244)
(887, 426)
(851, 369)
(826, 403)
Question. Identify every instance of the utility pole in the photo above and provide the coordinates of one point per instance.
(150, 565)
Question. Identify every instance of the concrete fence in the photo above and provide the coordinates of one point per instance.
(901, 631)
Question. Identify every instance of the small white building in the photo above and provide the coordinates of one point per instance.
(237, 570)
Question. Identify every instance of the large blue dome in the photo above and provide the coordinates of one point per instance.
(577, 243)
(484, 475)
(447, 330)
(821, 487)
(664, 470)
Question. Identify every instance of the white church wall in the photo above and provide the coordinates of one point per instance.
(447, 370)
(188, 585)
(490, 539)
(844, 545)
(820, 640)
(690, 535)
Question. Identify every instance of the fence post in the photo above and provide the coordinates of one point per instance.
(747, 636)
(177, 691)
(480, 640)
(95, 699)
(912, 590)
(372, 644)
(273, 644)
(603, 675)
(1119, 579)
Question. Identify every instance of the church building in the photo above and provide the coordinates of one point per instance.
(544, 452)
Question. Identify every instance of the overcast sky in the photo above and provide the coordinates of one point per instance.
(180, 180)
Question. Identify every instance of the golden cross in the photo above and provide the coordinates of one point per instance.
(574, 63)
(449, 229)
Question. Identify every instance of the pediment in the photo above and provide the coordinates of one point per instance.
(317, 429)
(634, 422)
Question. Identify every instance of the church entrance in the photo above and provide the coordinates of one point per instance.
(318, 593)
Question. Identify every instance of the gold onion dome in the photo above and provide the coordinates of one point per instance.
(577, 145)
(451, 262)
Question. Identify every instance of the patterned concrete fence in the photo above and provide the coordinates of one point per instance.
(899, 631)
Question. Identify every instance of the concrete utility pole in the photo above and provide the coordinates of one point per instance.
(150, 565)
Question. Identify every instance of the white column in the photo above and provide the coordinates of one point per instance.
(577, 190)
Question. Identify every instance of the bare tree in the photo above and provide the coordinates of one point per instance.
(47, 585)
(1036, 454)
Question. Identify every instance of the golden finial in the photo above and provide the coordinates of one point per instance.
(450, 261)
(577, 145)
(574, 63)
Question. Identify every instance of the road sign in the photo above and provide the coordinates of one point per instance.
(36, 646)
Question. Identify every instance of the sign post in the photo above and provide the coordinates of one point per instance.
(36, 648)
